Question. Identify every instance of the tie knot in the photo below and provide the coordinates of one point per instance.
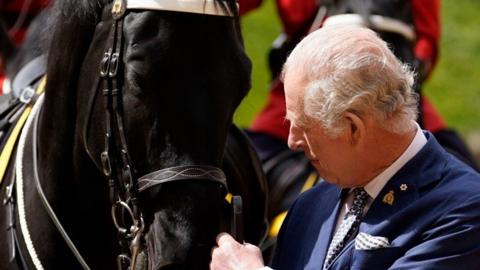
(360, 198)
(360, 193)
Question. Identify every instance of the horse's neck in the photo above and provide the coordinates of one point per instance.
(56, 135)
(62, 157)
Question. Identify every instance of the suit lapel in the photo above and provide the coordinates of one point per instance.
(405, 186)
(326, 232)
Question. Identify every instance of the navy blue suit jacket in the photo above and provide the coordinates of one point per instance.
(433, 224)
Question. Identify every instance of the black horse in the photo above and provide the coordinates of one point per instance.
(135, 114)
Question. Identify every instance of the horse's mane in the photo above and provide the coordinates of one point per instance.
(73, 23)
(82, 10)
(71, 26)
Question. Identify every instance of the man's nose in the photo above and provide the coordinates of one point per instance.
(295, 139)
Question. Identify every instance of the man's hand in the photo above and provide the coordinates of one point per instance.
(231, 255)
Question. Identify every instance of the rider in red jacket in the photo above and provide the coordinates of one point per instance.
(296, 17)
(16, 15)
(294, 14)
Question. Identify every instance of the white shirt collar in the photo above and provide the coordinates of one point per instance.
(374, 187)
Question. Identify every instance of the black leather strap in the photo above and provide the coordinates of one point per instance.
(29, 73)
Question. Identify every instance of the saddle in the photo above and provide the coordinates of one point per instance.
(16, 105)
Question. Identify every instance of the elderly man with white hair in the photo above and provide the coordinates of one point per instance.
(392, 197)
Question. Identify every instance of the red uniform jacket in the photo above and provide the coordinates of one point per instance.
(294, 13)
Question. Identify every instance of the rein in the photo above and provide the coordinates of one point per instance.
(32, 122)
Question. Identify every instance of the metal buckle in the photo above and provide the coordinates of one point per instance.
(27, 95)
(8, 195)
(107, 166)
(105, 64)
(123, 262)
(137, 224)
(114, 65)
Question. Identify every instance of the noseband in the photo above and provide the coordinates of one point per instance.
(116, 164)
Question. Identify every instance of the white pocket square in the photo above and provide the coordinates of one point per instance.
(365, 241)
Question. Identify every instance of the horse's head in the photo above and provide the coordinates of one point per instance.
(180, 78)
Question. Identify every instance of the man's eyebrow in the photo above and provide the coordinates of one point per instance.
(286, 117)
(293, 119)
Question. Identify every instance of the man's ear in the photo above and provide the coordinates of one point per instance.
(356, 127)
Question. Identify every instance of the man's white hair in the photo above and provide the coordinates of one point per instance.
(349, 68)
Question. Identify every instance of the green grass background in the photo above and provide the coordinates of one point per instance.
(454, 87)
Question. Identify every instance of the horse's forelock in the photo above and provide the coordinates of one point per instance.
(84, 10)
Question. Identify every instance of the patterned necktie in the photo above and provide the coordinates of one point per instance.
(348, 227)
